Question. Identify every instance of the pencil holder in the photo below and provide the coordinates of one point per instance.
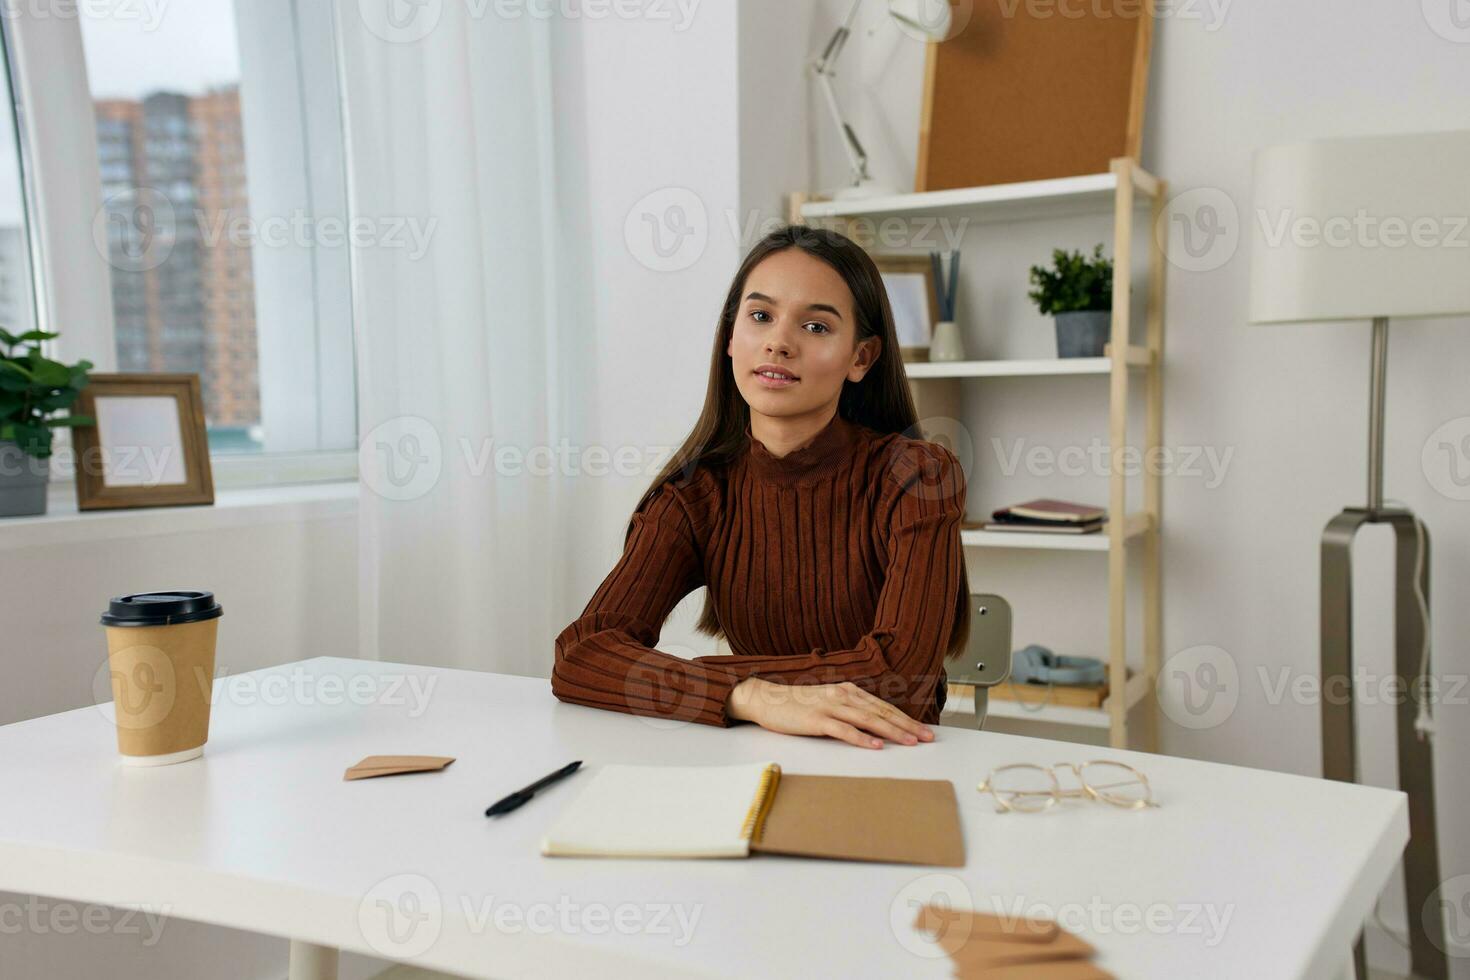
(946, 344)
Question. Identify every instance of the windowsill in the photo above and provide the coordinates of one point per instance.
(64, 524)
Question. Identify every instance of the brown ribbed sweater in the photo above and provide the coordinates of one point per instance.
(840, 561)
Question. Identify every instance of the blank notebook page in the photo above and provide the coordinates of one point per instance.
(659, 812)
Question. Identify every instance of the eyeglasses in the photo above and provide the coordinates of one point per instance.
(1028, 788)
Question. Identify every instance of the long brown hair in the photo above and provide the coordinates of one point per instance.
(881, 400)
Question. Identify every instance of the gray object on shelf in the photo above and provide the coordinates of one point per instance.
(23, 480)
(1083, 333)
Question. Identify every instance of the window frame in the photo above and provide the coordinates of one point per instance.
(61, 180)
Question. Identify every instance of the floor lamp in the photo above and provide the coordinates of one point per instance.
(1372, 228)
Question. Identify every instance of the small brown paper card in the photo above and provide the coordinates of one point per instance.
(1008, 948)
(959, 925)
(997, 953)
(1057, 970)
(393, 765)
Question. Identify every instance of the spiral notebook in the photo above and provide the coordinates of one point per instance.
(735, 811)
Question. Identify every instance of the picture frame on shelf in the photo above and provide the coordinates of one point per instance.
(909, 281)
(149, 446)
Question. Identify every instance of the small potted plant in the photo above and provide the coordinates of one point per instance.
(33, 390)
(1078, 292)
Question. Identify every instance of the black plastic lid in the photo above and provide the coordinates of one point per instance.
(161, 608)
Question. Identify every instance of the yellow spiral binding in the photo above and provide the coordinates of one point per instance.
(755, 817)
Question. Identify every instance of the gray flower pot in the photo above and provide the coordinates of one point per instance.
(1083, 333)
(23, 481)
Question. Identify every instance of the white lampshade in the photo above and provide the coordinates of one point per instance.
(1351, 229)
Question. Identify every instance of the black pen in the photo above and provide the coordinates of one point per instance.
(519, 797)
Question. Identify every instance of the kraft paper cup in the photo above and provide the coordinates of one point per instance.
(160, 653)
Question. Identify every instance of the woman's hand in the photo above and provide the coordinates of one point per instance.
(844, 711)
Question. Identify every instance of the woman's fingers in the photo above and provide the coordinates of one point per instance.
(834, 727)
(869, 720)
(888, 712)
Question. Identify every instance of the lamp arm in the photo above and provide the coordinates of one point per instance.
(822, 67)
(857, 159)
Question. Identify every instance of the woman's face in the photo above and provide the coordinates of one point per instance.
(796, 318)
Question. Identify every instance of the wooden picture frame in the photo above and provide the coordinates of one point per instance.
(149, 446)
(903, 278)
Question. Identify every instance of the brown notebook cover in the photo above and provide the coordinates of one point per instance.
(860, 818)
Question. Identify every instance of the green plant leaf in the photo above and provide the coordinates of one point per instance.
(51, 374)
(71, 421)
(64, 398)
(1074, 282)
(35, 335)
(34, 440)
(13, 366)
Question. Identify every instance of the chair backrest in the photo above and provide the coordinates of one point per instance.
(986, 659)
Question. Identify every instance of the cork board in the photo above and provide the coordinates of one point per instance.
(1025, 93)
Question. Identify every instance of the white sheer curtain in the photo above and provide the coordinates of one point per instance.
(465, 553)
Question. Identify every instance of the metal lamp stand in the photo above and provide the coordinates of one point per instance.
(1339, 724)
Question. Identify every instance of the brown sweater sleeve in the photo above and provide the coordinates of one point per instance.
(605, 658)
(901, 659)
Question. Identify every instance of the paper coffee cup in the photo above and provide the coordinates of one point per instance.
(160, 653)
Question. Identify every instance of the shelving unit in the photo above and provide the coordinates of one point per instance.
(937, 391)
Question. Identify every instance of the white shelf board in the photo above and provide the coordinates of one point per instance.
(1009, 368)
(978, 538)
(1087, 194)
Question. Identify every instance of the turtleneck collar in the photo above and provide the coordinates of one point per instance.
(817, 458)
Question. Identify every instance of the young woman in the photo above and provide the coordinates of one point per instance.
(828, 537)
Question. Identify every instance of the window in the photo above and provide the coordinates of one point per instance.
(17, 299)
(209, 137)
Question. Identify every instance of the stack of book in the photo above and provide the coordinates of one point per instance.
(1049, 517)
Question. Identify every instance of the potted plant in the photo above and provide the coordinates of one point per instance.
(33, 389)
(1078, 292)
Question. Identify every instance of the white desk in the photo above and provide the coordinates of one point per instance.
(263, 834)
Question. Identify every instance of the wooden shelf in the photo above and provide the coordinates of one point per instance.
(958, 708)
(980, 538)
(1136, 200)
(1136, 524)
(1018, 368)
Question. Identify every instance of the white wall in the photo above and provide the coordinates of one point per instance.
(1290, 403)
(656, 108)
(289, 591)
